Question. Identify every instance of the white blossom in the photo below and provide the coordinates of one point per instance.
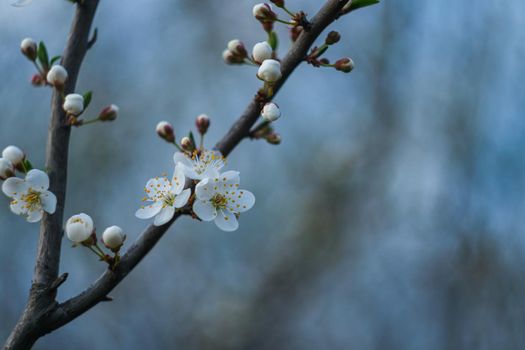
(113, 237)
(164, 196)
(74, 104)
(57, 76)
(270, 71)
(220, 199)
(198, 167)
(7, 169)
(271, 112)
(30, 196)
(262, 51)
(13, 154)
(79, 228)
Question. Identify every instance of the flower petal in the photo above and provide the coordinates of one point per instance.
(38, 180)
(149, 211)
(156, 187)
(35, 215)
(228, 181)
(164, 216)
(14, 186)
(241, 201)
(178, 180)
(180, 157)
(17, 207)
(49, 202)
(204, 189)
(226, 221)
(182, 198)
(204, 210)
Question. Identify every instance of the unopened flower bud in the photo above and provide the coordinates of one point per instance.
(74, 104)
(165, 131)
(278, 3)
(237, 48)
(15, 155)
(79, 228)
(332, 38)
(264, 12)
(270, 71)
(270, 112)
(38, 80)
(230, 58)
(113, 237)
(57, 76)
(262, 51)
(109, 113)
(29, 48)
(7, 169)
(186, 144)
(202, 123)
(295, 32)
(273, 139)
(344, 65)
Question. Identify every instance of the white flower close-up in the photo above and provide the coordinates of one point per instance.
(30, 196)
(74, 104)
(13, 154)
(113, 237)
(57, 76)
(270, 71)
(79, 227)
(271, 112)
(207, 164)
(164, 196)
(220, 199)
(261, 51)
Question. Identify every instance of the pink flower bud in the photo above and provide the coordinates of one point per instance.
(165, 131)
(332, 38)
(202, 123)
(264, 12)
(230, 58)
(186, 144)
(109, 113)
(237, 48)
(344, 65)
(37, 80)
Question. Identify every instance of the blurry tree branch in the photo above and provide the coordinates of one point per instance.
(43, 314)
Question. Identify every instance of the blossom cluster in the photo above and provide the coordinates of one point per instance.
(30, 197)
(198, 185)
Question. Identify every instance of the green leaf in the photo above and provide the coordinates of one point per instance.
(273, 40)
(192, 139)
(54, 59)
(43, 58)
(357, 4)
(27, 165)
(87, 99)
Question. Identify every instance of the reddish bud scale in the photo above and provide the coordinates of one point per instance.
(295, 32)
(37, 80)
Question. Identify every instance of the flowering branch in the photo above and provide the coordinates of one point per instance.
(41, 301)
(43, 314)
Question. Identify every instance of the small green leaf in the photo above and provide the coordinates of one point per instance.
(43, 58)
(273, 40)
(356, 4)
(54, 59)
(192, 139)
(87, 99)
(27, 165)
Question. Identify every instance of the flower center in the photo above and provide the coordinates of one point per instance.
(219, 201)
(168, 200)
(31, 199)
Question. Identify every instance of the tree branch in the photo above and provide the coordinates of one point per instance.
(42, 295)
(46, 272)
(74, 307)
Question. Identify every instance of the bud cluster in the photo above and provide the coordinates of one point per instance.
(235, 52)
(80, 230)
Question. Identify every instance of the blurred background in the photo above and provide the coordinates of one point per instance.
(390, 217)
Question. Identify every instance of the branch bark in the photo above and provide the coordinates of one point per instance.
(42, 294)
(55, 315)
